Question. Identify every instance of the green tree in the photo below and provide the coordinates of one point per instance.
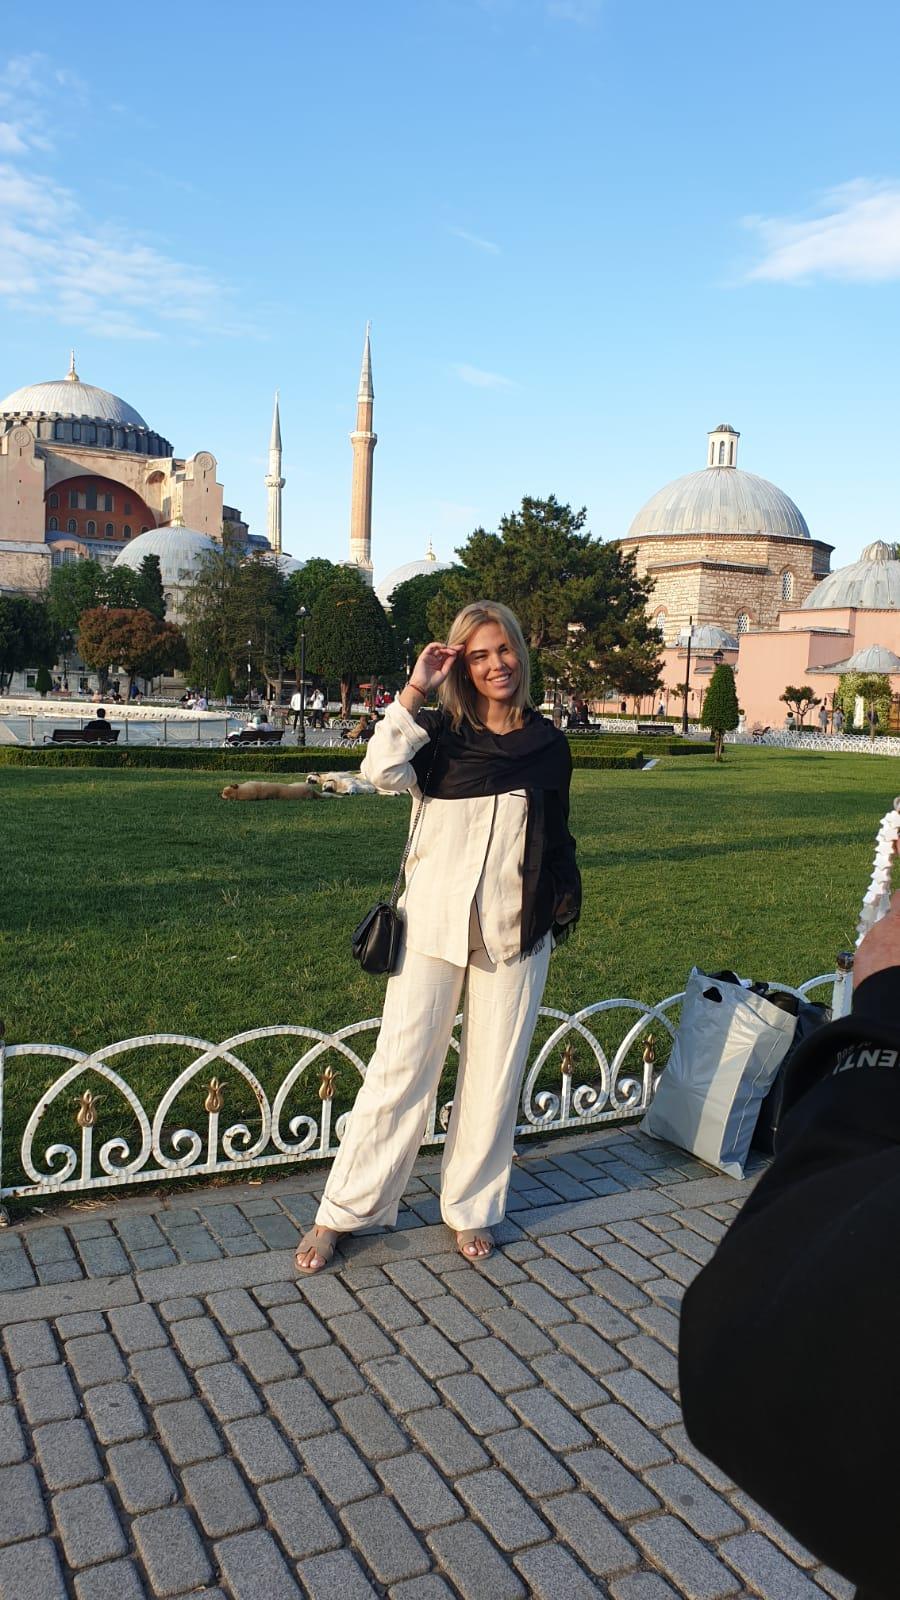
(720, 712)
(28, 636)
(223, 686)
(76, 587)
(148, 588)
(872, 688)
(801, 699)
(308, 583)
(409, 604)
(43, 682)
(348, 636)
(235, 598)
(538, 688)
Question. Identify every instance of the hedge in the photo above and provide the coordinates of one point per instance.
(614, 744)
(261, 760)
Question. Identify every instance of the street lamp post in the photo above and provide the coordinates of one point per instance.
(407, 646)
(249, 670)
(301, 618)
(687, 679)
(66, 644)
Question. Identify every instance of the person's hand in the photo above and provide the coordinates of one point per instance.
(881, 946)
(433, 667)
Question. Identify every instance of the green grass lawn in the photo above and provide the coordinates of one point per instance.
(138, 902)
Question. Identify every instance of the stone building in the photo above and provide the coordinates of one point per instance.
(725, 547)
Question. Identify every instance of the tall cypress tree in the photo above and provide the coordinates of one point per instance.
(720, 712)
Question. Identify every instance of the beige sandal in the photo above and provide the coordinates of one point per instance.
(325, 1252)
(469, 1236)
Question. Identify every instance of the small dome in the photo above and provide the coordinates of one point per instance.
(875, 658)
(70, 398)
(870, 584)
(709, 637)
(412, 569)
(180, 550)
(719, 500)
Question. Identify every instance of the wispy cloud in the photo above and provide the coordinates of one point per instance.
(479, 379)
(487, 245)
(582, 12)
(853, 235)
(57, 260)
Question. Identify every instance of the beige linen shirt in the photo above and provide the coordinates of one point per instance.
(464, 851)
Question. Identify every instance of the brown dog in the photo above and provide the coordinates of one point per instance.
(269, 791)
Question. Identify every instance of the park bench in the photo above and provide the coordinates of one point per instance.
(251, 736)
(81, 736)
(656, 727)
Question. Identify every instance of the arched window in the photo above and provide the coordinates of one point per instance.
(145, 530)
(660, 620)
(76, 430)
(73, 499)
(787, 585)
(53, 501)
(731, 454)
(743, 622)
(109, 530)
(721, 452)
(712, 452)
(92, 530)
(108, 503)
(71, 526)
(126, 531)
(53, 525)
(126, 508)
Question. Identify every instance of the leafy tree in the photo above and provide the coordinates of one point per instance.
(800, 699)
(348, 635)
(74, 588)
(149, 587)
(873, 688)
(538, 688)
(720, 707)
(580, 602)
(28, 636)
(43, 682)
(409, 604)
(132, 639)
(235, 598)
(305, 586)
(223, 686)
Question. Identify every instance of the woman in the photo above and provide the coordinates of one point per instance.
(491, 881)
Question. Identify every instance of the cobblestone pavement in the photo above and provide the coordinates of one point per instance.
(180, 1416)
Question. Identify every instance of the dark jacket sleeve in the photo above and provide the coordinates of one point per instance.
(790, 1336)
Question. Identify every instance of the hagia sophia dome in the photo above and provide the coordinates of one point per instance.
(180, 550)
(410, 569)
(69, 397)
(870, 584)
(720, 498)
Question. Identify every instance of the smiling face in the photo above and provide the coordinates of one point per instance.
(492, 665)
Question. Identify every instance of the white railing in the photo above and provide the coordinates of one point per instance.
(573, 1081)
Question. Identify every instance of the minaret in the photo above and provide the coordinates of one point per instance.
(363, 442)
(274, 483)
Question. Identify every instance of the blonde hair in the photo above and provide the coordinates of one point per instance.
(457, 693)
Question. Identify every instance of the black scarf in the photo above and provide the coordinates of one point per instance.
(471, 762)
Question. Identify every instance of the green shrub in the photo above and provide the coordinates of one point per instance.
(612, 760)
(316, 759)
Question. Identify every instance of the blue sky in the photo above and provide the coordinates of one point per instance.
(585, 231)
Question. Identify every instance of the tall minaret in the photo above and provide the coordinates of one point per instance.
(363, 442)
(275, 482)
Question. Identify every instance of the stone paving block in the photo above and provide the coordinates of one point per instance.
(89, 1228)
(420, 1491)
(333, 1374)
(16, 1272)
(298, 1326)
(79, 1323)
(146, 1260)
(266, 1357)
(278, 1293)
(22, 1513)
(31, 1572)
(361, 1336)
(617, 1489)
(641, 1239)
(677, 1266)
(298, 1408)
(650, 1357)
(391, 1308)
(95, 1359)
(762, 1522)
(834, 1584)
(706, 1512)
(694, 1571)
(138, 1328)
(447, 1440)
(626, 1437)
(500, 1270)
(5, 1386)
(660, 1323)
(260, 1449)
(299, 1518)
(529, 1463)
(219, 1497)
(569, 1382)
(277, 1231)
(181, 1307)
(66, 1455)
(430, 1587)
(356, 1276)
(678, 1442)
(160, 1376)
(12, 1440)
(302, 1207)
(367, 1422)
(522, 1250)
(252, 1565)
(139, 1232)
(195, 1244)
(115, 1413)
(518, 1331)
(602, 1317)
(427, 1208)
(478, 1406)
(171, 1218)
(474, 1564)
(454, 1319)
(630, 1263)
(227, 1392)
(645, 1398)
(236, 1311)
(551, 1572)
(621, 1292)
(247, 1244)
(557, 1278)
(706, 1191)
(536, 1303)
(415, 1280)
(691, 1245)
(573, 1255)
(497, 1364)
(170, 1548)
(504, 1511)
(103, 1258)
(701, 1222)
(327, 1295)
(477, 1292)
(141, 1476)
(258, 1205)
(335, 1576)
(31, 1344)
(227, 1221)
(337, 1467)
(88, 1525)
(115, 1580)
(187, 1433)
(46, 1395)
(551, 1420)
(594, 1353)
(47, 1245)
(60, 1272)
(385, 1540)
(766, 1570)
(428, 1348)
(400, 1384)
(199, 1342)
(593, 1537)
(642, 1586)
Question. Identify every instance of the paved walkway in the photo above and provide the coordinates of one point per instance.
(179, 1416)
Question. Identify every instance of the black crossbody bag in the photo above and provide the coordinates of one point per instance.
(377, 940)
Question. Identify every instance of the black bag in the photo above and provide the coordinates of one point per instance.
(376, 941)
(811, 1014)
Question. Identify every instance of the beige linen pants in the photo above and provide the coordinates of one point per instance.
(386, 1127)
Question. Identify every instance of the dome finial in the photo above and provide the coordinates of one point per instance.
(723, 445)
(72, 375)
(429, 553)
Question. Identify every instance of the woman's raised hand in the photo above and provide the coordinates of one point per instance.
(433, 666)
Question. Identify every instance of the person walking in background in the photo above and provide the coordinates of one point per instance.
(296, 708)
(491, 882)
(837, 721)
(317, 709)
(823, 717)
